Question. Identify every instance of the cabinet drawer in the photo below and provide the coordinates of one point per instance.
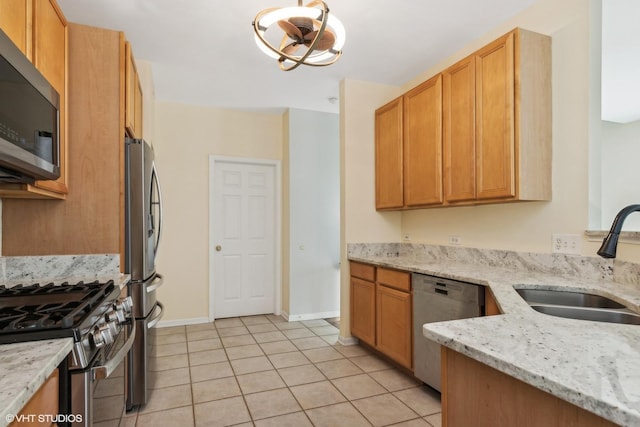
(363, 271)
(396, 279)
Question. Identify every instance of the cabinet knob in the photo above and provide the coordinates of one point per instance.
(218, 248)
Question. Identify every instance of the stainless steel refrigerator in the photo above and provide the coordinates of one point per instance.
(143, 224)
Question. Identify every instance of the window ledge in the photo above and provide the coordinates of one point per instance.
(632, 237)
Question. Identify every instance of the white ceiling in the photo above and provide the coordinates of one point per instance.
(203, 52)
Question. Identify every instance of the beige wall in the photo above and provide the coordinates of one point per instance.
(184, 138)
(523, 226)
(358, 218)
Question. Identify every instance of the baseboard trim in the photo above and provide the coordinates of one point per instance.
(310, 316)
(348, 340)
(182, 322)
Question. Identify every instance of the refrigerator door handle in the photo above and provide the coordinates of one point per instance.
(156, 317)
(156, 183)
(155, 283)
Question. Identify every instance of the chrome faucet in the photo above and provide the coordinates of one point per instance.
(610, 243)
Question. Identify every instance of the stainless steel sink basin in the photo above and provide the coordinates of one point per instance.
(578, 305)
(573, 299)
(597, 315)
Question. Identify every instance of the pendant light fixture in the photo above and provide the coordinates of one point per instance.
(311, 36)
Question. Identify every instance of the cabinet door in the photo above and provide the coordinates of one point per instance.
(495, 122)
(393, 324)
(459, 131)
(13, 21)
(137, 116)
(363, 310)
(50, 58)
(133, 96)
(422, 144)
(389, 155)
(43, 402)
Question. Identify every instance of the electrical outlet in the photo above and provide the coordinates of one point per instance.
(566, 244)
(455, 240)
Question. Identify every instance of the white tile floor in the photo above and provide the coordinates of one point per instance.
(264, 371)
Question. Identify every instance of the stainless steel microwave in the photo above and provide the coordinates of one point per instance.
(29, 119)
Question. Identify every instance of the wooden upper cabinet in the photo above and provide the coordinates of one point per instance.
(50, 54)
(478, 133)
(39, 29)
(389, 188)
(133, 96)
(422, 144)
(497, 126)
(15, 23)
(459, 131)
(495, 119)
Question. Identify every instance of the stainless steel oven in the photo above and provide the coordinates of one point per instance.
(97, 391)
(99, 320)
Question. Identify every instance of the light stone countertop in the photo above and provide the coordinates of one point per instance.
(24, 367)
(593, 365)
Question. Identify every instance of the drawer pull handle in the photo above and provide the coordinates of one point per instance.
(440, 291)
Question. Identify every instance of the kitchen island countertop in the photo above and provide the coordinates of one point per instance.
(593, 365)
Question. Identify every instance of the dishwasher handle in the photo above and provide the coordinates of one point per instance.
(441, 291)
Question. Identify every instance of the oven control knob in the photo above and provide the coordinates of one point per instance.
(113, 329)
(102, 335)
(124, 306)
(115, 315)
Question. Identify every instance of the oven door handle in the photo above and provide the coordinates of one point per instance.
(105, 370)
(155, 283)
(156, 318)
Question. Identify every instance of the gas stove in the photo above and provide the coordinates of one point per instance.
(93, 314)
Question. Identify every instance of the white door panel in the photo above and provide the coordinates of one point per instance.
(244, 228)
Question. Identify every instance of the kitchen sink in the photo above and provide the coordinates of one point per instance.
(578, 305)
(570, 298)
(596, 315)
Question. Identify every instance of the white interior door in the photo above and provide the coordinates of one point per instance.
(243, 240)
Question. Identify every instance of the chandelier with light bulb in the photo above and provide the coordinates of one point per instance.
(310, 35)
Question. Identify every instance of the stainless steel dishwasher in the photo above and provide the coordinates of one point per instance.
(437, 300)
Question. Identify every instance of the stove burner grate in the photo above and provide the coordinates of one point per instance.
(49, 309)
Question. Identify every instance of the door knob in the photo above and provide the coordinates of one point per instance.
(218, 248)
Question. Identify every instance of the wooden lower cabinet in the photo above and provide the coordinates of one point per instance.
(474, 394)
(43, 402)
(363, 310)
(490, 305)
(381, 311)
(394, 329)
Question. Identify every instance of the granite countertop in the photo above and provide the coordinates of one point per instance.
(24, 367)
(593, 365)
